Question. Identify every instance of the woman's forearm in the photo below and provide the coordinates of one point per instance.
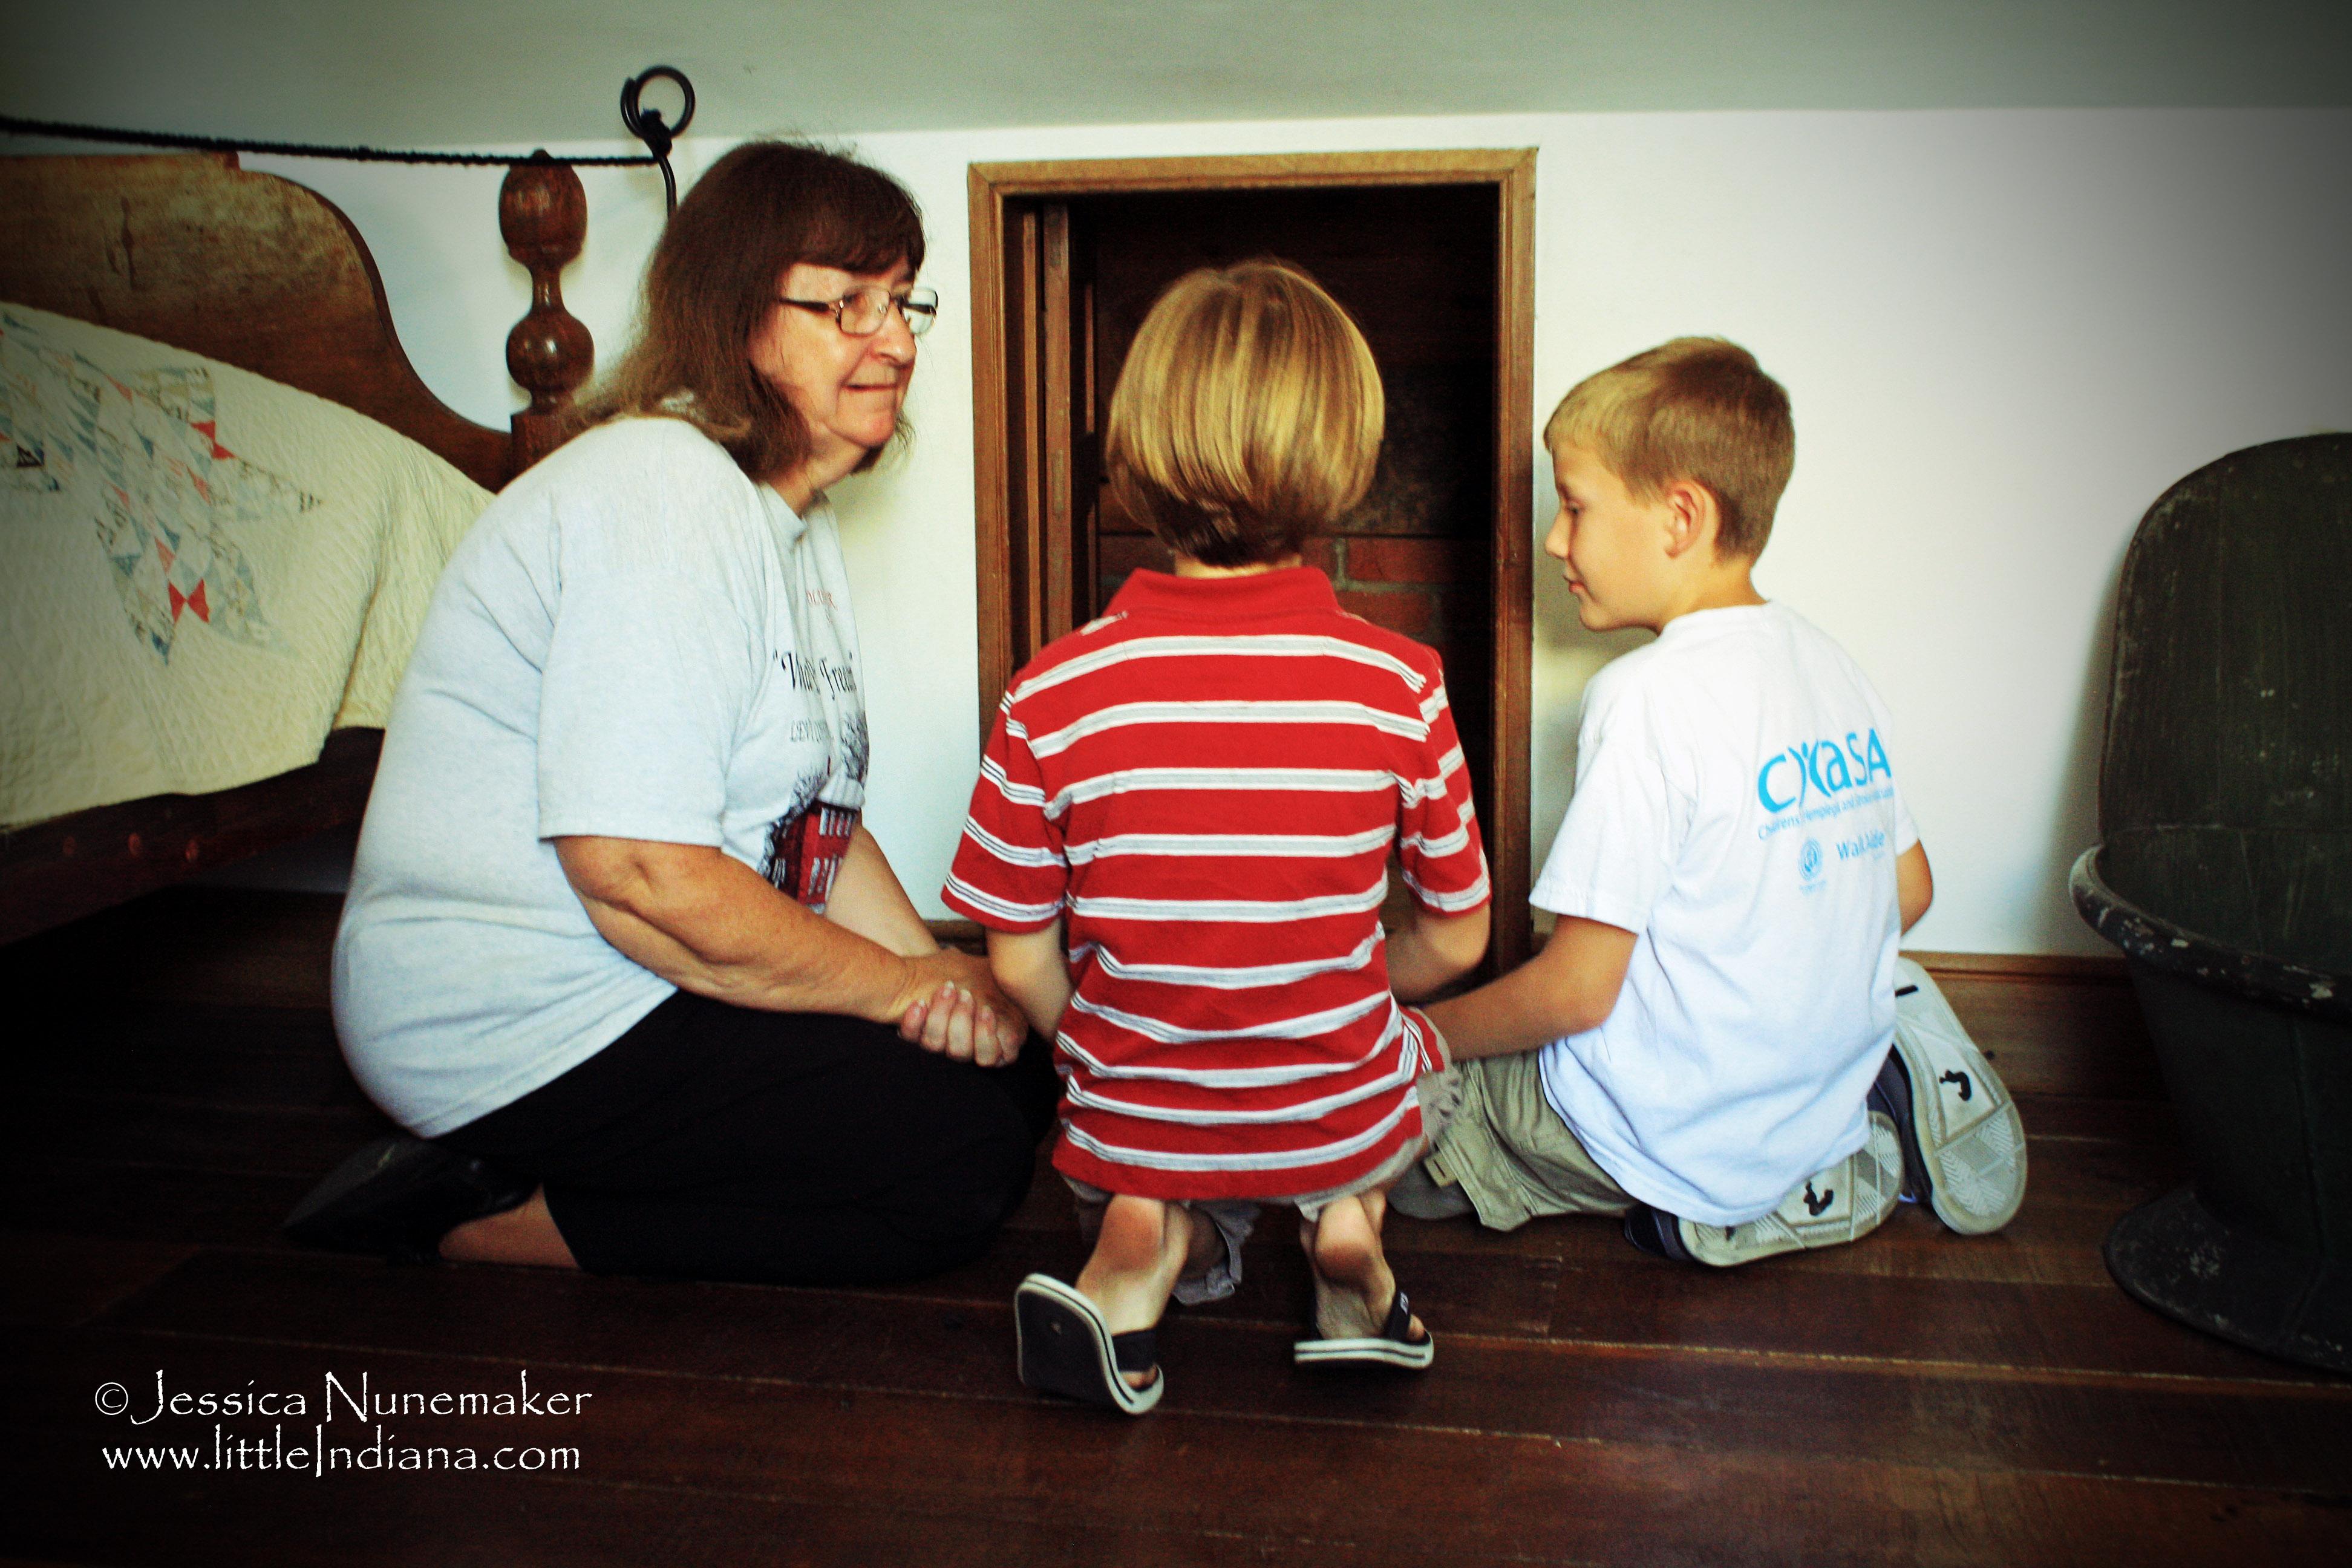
(708, 923)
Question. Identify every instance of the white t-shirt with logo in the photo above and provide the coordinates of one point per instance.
(1735, 808)
(634, 641)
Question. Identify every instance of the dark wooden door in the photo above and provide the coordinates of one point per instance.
(1432, 262)
(1051, 446)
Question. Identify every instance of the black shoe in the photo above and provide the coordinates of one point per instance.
(399, 1196)
(1655, 1231)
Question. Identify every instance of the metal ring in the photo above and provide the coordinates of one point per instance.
(647, 124)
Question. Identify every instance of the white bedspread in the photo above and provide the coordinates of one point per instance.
(202, 571)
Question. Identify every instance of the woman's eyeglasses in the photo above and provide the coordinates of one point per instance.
(861, 312)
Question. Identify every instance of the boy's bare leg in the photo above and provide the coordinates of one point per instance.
(1354, 1286)
(1144, 1247)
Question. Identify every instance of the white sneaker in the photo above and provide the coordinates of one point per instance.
(1963, 1145)
(1842, 1203)
(1417, 1193)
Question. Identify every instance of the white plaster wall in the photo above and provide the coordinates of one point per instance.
(2005, 332)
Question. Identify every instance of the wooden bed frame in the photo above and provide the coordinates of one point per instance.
(261, 273)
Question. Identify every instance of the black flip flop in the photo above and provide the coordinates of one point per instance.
(1392, 1346)
(1067, 1349)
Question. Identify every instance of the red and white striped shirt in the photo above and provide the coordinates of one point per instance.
(1206, 783)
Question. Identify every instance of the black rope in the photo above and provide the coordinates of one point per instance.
(17, 126)
(646, 124)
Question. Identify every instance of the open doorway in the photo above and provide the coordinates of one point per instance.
(1432, 254)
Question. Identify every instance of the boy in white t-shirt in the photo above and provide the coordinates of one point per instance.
(1703, 1044)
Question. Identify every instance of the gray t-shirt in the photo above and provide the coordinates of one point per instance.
(635, 641)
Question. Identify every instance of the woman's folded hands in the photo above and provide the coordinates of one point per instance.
(956, 1007)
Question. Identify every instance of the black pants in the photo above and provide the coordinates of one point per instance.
(718, 1142)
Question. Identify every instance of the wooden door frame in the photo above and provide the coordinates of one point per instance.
(1006, 522)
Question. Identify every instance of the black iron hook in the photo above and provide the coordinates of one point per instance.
(648, 125)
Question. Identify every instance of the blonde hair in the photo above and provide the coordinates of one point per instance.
(1696, 408)
(1247, 416)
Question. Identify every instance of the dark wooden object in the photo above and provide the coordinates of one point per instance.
(1918, 1397)
(258, 272)
(58, 870)
(250, 270)
(2224, 873)
(1035, 388)
(543, 217)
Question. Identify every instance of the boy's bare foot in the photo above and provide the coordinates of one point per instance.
(1139, 1254)
(1354, 1286)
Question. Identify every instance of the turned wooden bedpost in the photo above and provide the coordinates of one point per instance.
(543, 215)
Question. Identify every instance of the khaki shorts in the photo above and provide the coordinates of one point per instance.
(1512, 1155)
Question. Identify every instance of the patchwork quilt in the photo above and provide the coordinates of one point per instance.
(202, 571)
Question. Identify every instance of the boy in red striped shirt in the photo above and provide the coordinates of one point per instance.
(1179, 841)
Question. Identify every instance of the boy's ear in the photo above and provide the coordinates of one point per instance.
(1692, 518)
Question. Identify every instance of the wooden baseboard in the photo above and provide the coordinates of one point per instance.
(969, 935)
(2054, 1024)
(2085, 968)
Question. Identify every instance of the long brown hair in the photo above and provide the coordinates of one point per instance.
(760, 209)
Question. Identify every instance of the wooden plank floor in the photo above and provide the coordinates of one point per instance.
(1915, 1398)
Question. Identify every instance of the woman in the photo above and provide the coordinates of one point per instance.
(617, 949)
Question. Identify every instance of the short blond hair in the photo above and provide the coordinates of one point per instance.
(1247, 416)
(1696, 408)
